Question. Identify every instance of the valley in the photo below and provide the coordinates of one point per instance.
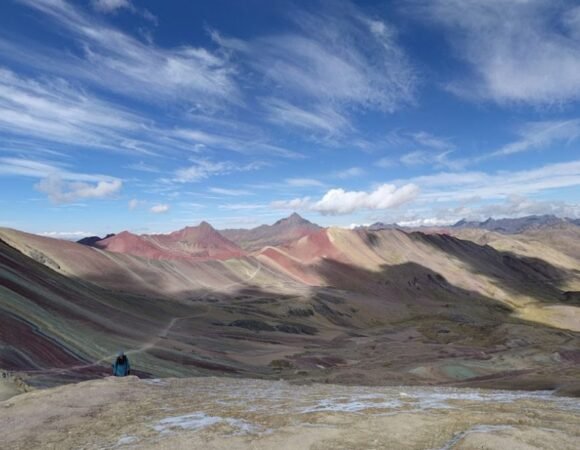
(457, 307)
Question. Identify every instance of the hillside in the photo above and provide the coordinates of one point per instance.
(348, 306)
(282, 232)
(193, 243)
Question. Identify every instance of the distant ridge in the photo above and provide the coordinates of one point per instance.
(199, 243)
(92, 240)
(281, 232)
(516, 225)
(382, 226)
(506, 225)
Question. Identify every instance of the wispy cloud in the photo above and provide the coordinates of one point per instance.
(351, 172)
(385, 163)
(108, 6)
(445, 186)
(537, 135)
(125, 65)
(303, 182)
(429, 140)
(121, 63)
(202, 169)
(519, 51)
(134, 204)
(240, 141)
(243, 206)
(437, 159)
(54, 111)
(229, 192)
(336, 59)
(43, 169)
(320, 118)
(143, 167)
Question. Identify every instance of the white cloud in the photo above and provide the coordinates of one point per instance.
(428, 140)
(67, 235)
(294, 204)
(303, 182)
(133, 204)
(230, 192)
(425, 222)
(385, 163)
(420, 157)
(421, 148)
(202, 169)
(350, 173)
(319, 118)
(159, 209)
(58, 182)
(414, 158)
(243, 206)
(60, 191)
(142, 167)
(339, 201)
(242, 142)
(519, 51)
(108, 6)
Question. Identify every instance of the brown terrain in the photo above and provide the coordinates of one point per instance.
(460, 307)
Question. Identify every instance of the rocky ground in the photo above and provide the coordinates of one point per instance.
(226, 413)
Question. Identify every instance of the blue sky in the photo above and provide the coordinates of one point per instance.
(150, 116)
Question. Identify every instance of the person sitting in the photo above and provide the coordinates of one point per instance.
(121, 367)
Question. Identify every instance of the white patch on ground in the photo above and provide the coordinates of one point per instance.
(441, 399)
(155, 381)
(422, 400)
(352, 405)
(475, 429)
(125, 440)
(199, 420)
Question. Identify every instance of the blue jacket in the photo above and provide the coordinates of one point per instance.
(121, 367)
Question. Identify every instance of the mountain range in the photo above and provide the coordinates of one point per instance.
(461, 305)
(505, 225)
(517, 225)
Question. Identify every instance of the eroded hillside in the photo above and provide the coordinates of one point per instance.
(347, 306)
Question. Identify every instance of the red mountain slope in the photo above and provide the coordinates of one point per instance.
(198, 243)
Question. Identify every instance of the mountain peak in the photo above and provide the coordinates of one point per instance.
(293, 219)
(195, 232)
(205, 226)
